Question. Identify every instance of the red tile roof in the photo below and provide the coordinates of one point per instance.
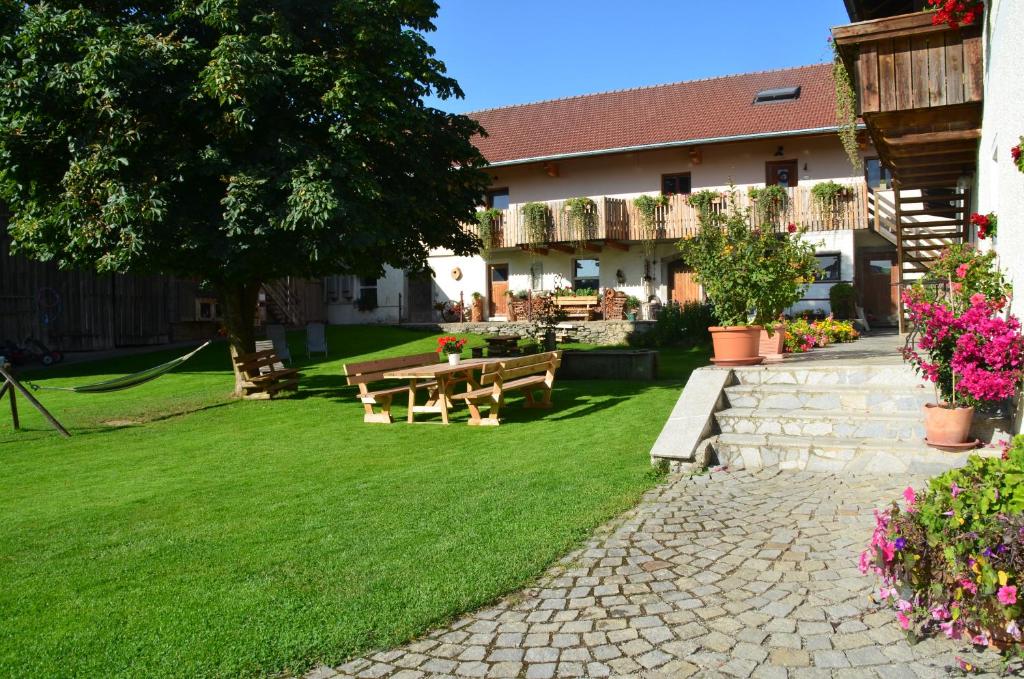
(675, 113)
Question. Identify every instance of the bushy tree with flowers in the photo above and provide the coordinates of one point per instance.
(965, 343)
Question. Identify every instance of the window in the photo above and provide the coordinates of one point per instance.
(498, 199)
(586, 274)
(875, 173)
(675, 183)
(830, 266)
(777, 94)
(367, 292)
(536, 276)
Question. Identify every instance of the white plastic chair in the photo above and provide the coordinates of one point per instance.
(316, 339)
(275, 333)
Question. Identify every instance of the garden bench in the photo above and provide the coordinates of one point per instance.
(527, 374)
(578, 308)
(263, 375)
(368, 372)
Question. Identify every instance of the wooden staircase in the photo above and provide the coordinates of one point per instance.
(283, 305)
(925, 226)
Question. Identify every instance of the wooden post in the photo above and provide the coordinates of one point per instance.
(899, 254)
(11, 384)
(14, 404)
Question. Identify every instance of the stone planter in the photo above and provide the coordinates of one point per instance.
(945, 426)
(736, 345)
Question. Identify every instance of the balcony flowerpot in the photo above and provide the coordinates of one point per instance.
(454, 359)
(772, 348)
(736, 345)
(945, 426)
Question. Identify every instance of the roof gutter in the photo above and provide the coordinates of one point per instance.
(670, 145)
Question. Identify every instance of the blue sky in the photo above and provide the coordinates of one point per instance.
(516, 51)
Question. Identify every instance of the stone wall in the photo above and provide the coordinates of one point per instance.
(590, 332)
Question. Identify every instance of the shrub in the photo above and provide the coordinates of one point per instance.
(800, 337)
(687, 324)
(835, 331)
(842, 297)
(962, 269)
(803, 335)
(952, 559)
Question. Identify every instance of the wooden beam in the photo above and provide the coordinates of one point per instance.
(617, 245)
(591, 247)
(560, 247)
(934, 137)
(535, 250)
(15, 385)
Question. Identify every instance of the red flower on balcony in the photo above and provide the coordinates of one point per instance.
(1015, 154)
(956, 13)
(986, 224)
(791, 228)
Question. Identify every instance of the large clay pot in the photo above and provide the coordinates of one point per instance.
(476, 313)
(772, 348)
(947, 426)
(736, 344)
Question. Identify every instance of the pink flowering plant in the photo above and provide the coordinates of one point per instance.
(965, 344)
(951, 558)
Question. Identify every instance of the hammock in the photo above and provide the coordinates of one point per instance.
(127, 381)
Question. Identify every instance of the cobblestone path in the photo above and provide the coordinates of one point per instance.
(723, 575)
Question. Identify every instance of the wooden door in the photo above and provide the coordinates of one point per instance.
(497, 287)
(785, 173)
(420, 297)
(682, 285)
(879, 287)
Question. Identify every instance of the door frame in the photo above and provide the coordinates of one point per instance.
(863, 259)
(770, 164)
(491, 305)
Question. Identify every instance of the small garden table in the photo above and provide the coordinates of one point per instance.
(445, 375)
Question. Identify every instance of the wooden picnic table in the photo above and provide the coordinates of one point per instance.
(502, 345)
(445, 375)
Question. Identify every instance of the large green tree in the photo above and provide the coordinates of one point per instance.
(236, 141)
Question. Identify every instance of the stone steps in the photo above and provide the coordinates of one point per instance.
(830, 397)
(886, 426)
(833, 375)
(835, 454)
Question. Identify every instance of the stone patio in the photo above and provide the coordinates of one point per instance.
(726, 574)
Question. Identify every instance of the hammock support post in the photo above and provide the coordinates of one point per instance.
(10, 386)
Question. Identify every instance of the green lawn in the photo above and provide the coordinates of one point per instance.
(215, 537)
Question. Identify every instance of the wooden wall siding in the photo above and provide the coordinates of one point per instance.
(619, 220)
(95, 311)
(904, 63)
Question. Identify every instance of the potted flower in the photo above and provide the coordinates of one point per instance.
(476, 313)
(749, 276)
(965, 346)
(986, 225)
(631, 307)
(452, 347)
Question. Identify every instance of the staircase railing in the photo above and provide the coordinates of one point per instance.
(282, 302)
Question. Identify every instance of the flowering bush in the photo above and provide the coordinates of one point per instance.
(744, 268)
(973, 356)
(450, 345)
(986, 224)
(1015, 154)
(803, 335)
(956, 13)
(962, 271)
(952, 558)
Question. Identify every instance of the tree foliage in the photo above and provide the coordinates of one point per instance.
(235, 141)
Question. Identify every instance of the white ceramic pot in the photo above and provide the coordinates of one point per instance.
(454, 359)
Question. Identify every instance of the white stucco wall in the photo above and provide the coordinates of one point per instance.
(390, 290)
(1000, 186)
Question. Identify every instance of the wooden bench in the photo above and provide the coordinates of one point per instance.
(367, 372)
(578, 308)
(263, 374)
(527, 374)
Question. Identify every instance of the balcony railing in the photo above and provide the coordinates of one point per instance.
(619, 220)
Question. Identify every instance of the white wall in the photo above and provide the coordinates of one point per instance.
(1000, 186)
(390, 289)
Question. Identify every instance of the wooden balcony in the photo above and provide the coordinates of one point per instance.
(919, 89)
(619, 224)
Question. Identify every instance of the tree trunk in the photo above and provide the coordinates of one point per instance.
(238, 303)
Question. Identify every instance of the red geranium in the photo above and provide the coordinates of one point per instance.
(986, 224)
(450, 345)
(791, 228)
(956, 13)
(1015, 154)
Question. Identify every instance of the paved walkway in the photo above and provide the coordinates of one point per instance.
(727, 574)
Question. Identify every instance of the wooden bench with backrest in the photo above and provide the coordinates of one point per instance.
(528, 374)
(263, 375)
(578, 308)
(366, 373)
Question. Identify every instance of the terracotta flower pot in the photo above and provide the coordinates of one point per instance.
(772, 348)
(947, 426)
(736, 344)
(476, 313)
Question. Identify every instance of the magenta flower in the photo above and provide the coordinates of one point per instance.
(954, 489)
(969, 586)
(911, 497)
(903, 620)
(1007, 595)
(961, 270)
